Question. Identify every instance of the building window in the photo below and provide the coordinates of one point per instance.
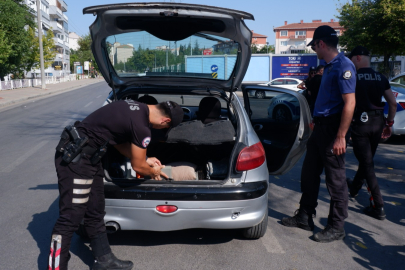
(283, 33)
(283, 43)
(283, 52)
(300, 33)
(337, 32)
(297, 51)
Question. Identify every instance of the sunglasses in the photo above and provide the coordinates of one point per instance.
(313, 47)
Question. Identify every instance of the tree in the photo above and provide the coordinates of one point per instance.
(5, 47)
(264, 49)
(83, 54)
(14, 19)
(375, 24)
(31, 59)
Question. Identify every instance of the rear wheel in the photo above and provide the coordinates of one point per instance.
(260, 94)
(282, 113)
(257, 231)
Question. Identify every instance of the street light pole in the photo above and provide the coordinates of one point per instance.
(41, 50)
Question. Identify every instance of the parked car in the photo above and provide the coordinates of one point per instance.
(284, 107)
(399, 121)
(288, 83)
(400, 78)
(233, 155)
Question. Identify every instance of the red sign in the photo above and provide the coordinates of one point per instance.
(207, 52)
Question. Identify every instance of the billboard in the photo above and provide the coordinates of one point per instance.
(86, 65)
(79, 69)
(296, 66)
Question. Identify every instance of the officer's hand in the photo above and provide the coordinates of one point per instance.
(157, 173)
(387, 131)
(339, 146)
(152, 161)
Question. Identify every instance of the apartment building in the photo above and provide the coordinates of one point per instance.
(294, 37)
(53, 17)
(259, 40)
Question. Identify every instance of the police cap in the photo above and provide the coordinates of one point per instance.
(359, 50)
(323, 32)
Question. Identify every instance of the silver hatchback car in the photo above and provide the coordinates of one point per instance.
(196, 56)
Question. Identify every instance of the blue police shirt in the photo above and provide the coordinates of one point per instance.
(339, 77)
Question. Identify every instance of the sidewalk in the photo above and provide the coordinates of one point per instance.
(14, 96)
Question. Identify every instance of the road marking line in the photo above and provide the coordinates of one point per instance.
(22, 158)
(271, 244)
(88, 104)
(69, 121)
(98, 96)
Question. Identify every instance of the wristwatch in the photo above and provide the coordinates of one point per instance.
(389, 123)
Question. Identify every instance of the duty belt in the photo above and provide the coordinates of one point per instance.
(372, 112)
(328, 120)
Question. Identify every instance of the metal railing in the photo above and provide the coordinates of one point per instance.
(14, 84)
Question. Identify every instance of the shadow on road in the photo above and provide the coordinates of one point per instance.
(41, 230)
(363, 243)
(187, 237)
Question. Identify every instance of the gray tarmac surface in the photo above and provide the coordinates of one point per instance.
(29, 207)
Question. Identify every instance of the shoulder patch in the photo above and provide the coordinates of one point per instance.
(146, 142)
(347, 74)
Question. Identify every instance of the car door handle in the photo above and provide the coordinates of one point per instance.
(258, 127)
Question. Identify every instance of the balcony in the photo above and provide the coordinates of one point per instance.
(58, 42)
(55, 12)
(64, 6)
(56, 27)
(297, 37)
(65, 18)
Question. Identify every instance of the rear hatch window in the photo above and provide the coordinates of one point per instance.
(140, 54)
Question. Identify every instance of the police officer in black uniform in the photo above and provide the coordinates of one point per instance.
(368, 125)
(326, 147)
(314, 85)
(126, 125)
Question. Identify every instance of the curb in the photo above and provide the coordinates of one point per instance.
(59, 91)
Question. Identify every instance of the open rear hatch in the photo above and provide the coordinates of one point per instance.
(181, 44)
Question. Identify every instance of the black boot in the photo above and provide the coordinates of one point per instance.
(105, 259)
(110, 262)
(300, 220)
(375, 212)
(353, 190)
(329, 234)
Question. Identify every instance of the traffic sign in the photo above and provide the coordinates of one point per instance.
(214, 75)
(207, 52)
(214, 68)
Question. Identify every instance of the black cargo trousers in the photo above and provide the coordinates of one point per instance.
(81, 190)
(320, 156)
(365, 137)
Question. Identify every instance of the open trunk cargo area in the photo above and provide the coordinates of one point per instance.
(192, 151)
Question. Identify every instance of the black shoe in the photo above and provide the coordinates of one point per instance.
(375, 212)
(300, 220)
(353, 192)
(329, 234)
(110, 262)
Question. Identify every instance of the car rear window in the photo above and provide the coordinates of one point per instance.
(140, 53)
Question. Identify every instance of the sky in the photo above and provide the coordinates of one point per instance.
(267, 13)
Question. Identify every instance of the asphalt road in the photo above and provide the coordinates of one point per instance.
(29, 208)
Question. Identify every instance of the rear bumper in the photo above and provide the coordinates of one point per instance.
(213, 214)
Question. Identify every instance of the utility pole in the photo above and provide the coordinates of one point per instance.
(41, 49)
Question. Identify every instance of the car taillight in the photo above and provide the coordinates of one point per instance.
(402, 104)
(251, 157)
(166, 208)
